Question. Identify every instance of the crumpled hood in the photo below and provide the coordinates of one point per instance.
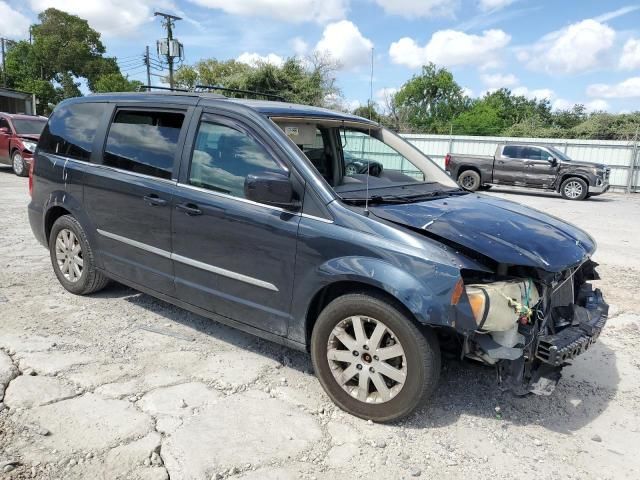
(32, 137)
(504, 231)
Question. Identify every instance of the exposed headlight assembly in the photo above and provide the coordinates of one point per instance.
(29, 145)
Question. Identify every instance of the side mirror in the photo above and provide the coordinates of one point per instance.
(271, 188)
(553, 161)
(4, 130)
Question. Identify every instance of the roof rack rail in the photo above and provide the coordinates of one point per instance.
(268, 96)
(148, 88)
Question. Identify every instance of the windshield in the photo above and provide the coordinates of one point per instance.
(558, 154)
(28, 126)
(361, 162)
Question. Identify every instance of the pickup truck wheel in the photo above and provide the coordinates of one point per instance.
(372, 360)
(469, 180)
(73, 259)
(18, 164)
(574, 188)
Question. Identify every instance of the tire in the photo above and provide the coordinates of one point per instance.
(470, 180)
(18, 164)
(574, 188)
(68, 243)
(420, 359)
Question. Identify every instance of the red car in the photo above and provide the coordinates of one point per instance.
(19, 136)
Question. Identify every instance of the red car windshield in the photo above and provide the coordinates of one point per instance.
(29, 126)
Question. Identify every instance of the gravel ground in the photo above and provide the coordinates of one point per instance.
(120, 385)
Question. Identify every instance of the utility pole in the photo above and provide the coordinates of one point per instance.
(169, 47)
(4, 66)
(147, 62)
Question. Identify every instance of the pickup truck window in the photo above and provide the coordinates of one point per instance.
(144, 142)
(223, 157)
(534, 153)
(512, 151)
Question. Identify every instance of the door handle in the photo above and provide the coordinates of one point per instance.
(189, 208)
(154, 200)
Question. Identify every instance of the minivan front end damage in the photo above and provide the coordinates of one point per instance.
(531, 327)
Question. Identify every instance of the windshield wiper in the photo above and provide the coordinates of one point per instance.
(400, 199)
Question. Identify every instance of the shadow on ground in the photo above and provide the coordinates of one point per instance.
(465, 388)
(546, 194)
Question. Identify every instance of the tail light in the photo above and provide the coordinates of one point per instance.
(447, 160)
(32, 164)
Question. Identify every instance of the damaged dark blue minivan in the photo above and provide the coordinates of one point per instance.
(316, 229)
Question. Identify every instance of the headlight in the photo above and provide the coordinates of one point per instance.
(497, 306)
(29, 145)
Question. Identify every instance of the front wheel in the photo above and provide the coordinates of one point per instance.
(470, 180)
(372, 360)
(19, 165)
(574, 188)
(73, 259)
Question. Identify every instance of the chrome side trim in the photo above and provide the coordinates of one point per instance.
(231, 197)
(225, 273)
(191, 262)
(135, 243)
(313, 217)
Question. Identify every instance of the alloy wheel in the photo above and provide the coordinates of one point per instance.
(18, 164)
(367, 359)
(573, 189)
(69, 255)
(468, 181)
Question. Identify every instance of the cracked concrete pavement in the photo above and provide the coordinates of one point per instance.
(119, 385)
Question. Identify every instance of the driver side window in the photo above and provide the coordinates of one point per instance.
(223, 157)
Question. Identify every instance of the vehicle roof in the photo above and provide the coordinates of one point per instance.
(265, 107)
(22, 116)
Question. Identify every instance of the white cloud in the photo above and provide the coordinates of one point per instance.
(492, 5)
(255, 59)
(576, 48)
(629, 88)
(467, 92)
(450, 48)
(109, 17)
(419, 8)
(344, 43)
(299, 46)
(537, 93)
(597, 105)
(562, 104)
(630, 59)
(498, 80)
(13, 24)
(293, 11)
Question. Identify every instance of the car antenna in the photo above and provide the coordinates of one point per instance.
(366, 199)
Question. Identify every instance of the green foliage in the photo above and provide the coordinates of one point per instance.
(116, 82)
(309, 82)
(64, 49)
(431, 100)
(370, 111)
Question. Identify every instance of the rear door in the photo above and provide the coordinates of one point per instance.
(540, 170)
(232, 256)
(5, 140)
(508, 168)
(129, 197)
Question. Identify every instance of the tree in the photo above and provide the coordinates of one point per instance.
(116, 82)
(309, 81)
(431, 100)
(64, 50)
(369, 111)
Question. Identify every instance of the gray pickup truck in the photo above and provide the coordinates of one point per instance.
(531, 166)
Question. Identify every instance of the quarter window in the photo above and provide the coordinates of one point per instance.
(144, 142)
(512, 151)
(223, 157)
(71, 130)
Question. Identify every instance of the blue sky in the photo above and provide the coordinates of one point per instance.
(569, 51)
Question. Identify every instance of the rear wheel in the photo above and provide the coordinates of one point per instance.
(469, 180)
(18, 164)
(73, 259)
(574, 188)
(372, 360)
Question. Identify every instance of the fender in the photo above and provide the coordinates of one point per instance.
(427, 298)
(70, 202)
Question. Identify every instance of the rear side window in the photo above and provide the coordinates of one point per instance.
(144, 142)
(71, 130)
(512, 151)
